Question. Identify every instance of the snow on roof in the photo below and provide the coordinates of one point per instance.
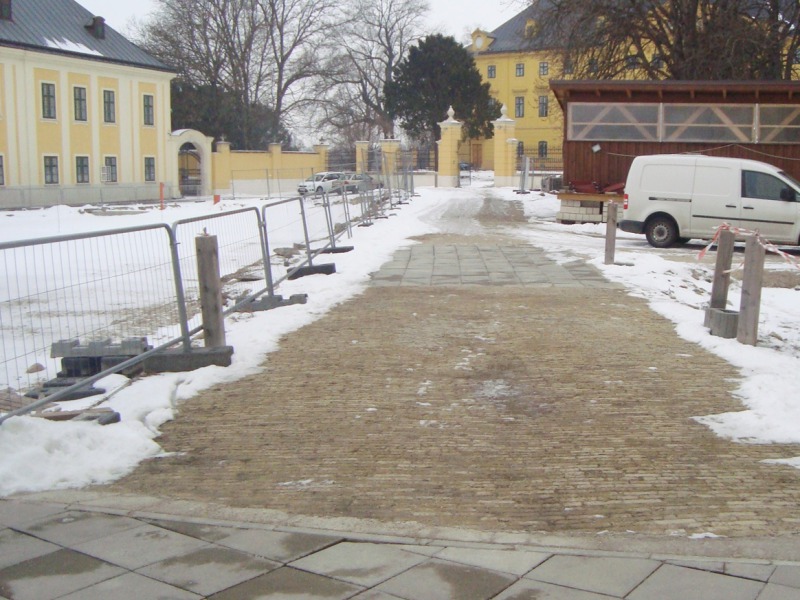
(64, 26)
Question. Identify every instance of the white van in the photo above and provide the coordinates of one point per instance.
(672, 198)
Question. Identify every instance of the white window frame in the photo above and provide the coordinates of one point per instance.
(57, 166)
(152, 122)
(55, 100)
(106, 170)
(85, 104)
(153, 158)
(114, 106)
(88, 170)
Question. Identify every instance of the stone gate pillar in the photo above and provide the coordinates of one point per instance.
(505, 150)
(389, 152)
(362, 157)
(448, 150)
(221, 168)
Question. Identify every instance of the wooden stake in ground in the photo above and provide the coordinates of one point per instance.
(754, 253)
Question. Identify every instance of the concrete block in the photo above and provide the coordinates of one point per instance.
(175, 361)
(722, 322)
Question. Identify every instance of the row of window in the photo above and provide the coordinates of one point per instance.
(80, 108)
(544, 70)
(631, 62)
(519, 106)
(108, 173)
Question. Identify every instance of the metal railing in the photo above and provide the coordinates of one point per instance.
(142, 283)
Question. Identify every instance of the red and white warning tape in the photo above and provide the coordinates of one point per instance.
(765, 243)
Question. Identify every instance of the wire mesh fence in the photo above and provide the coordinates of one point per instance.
(84, 295)
(105, 286)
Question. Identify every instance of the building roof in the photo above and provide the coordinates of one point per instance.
(590, 90)
(512, 36)
(60, 27)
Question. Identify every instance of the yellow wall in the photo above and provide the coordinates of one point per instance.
(80, 132)
(253, 165)
(26, 137)
(506, 87)
(4, 126)
(109, 132)
(48, 131)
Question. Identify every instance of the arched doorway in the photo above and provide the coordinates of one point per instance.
(189, 170)
(192, 156)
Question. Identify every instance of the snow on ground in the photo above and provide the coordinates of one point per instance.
(41, 455)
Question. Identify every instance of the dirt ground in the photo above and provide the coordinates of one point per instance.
(488, 407)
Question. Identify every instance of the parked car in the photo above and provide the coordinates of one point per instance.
(324, 181)
(361, 181)
(673, 198)
(464, 166)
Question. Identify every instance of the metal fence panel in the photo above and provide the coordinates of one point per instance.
(106, 285)
(241, 256)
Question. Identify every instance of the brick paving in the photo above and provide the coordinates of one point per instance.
(542, 399)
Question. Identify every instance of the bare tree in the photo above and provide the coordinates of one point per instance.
(253, 57)
(673, 39)
(299, 37)
(374, 37)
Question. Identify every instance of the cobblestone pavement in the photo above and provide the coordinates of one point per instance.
(478, 384)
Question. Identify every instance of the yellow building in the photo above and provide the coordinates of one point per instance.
(518, 67)
(84, 113)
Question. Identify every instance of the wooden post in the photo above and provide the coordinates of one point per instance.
(210, 290)
(722, 276)
(754, 253)
(611, 232)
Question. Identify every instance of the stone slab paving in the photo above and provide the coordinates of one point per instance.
(324, 566)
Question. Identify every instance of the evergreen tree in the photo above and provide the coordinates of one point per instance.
(436, 74)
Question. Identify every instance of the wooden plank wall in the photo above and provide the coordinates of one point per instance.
(610, 165)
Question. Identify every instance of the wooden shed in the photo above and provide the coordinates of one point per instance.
(608, 123)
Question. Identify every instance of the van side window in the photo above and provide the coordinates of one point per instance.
(762, 186)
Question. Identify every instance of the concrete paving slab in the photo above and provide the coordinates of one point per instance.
(201, 531)
(54, 575)
(786, 575)
(19, 547)
(131, 586)
(374, 595)
(287, 583)
(276, 545)
(749, 571)
(538, 590)
(209, 570)
(74, 527)
(603, 575)
(508, 561)
(15, 513)
(440, 580)
(424, 550)
(779, 592)
(715, 566)
(679, 583)
(362, 564)
(143, 545)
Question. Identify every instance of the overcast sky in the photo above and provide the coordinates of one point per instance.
(453, 17)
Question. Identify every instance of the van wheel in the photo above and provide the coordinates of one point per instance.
(661, 232)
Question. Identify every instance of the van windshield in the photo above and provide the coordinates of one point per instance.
(791, 179)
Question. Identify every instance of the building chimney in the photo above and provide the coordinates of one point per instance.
(5, 10)
(97, 27)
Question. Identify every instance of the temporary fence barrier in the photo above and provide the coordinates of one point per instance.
(135, 291)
